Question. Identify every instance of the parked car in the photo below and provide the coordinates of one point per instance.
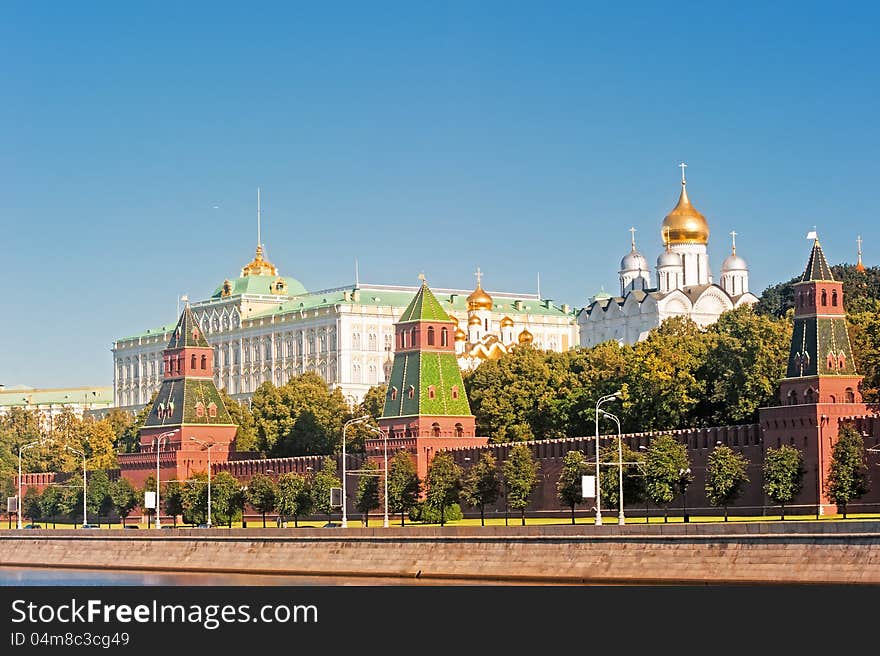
(331, 525)
(132, 526)
(32, 526)
(90, 526)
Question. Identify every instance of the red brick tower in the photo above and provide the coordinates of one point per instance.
(821, 384)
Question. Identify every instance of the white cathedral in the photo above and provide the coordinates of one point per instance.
(684, 284)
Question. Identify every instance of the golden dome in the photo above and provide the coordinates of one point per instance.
(258, 266)
(525, 337)
(453, 319)
(479, 299)
(475, 321)
(684, 224)
(460, 335)
(506, 322)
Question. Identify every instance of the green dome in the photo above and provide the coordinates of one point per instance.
(279, 285)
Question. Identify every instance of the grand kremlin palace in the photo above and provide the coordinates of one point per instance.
(267, 327)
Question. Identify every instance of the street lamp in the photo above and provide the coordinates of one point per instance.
(356, 420)
(205, 445)
(603, 399)
(157, 442)
(684, 477)
(20, 449)
(384, 435)
(642, 447)
(620, 516)
(85, 484)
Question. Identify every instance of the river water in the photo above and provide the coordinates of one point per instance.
(34, 576)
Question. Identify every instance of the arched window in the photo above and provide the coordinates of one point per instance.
(841, 361)
(402, 338)
(200, 409)
(849, 395)
(192, 363)
(455, 391)
(212, 409)
(831, 361)
(430, 335)
(411, 392)
(792, 398)
(824, 297)
(393, 393)
(444, 337)
(412, 336)
(810, 396)
(459, 430)
(204, 362)
(833, 399)
(432, 392)
(435, 429)
(812, 297)
(834, 298)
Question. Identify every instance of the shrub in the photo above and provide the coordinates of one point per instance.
(427, 514)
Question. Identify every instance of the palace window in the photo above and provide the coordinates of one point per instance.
(412, 336)
(459, 430)
(792, 398)
(824, 297)
(430, 335)
(444, 337)
(192, 362)
(834, 298)
(204, 362)
(435, 429)
(849, 395)
(810, 396)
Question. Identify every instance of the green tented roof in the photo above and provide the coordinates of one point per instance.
(413, 375)
(817, 266)
(177, 401)
(424, 307)
(187, 332)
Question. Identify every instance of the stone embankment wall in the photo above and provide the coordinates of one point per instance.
(768, 552)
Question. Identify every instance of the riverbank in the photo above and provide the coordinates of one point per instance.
(765, 552)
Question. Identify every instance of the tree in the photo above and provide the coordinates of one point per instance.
(246, 436)
(726, 474)
(323, 480)
(129, 440)
(367, 497)
(783, 474)
(403, 484)
(294, 498)
(51, 502)
(149, 486)
(99, 443)
(568, 486)
(443, 482)
(482, 484)
(664, 461)
(172, 500)
(194, 495)
(261, 494)
(374, 401)
(848, 478)
(124, 498)
(226, 494)
(609, 479)
(520, 478)
(98, 499)
(30, 504)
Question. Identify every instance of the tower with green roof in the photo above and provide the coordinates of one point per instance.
(426, 406)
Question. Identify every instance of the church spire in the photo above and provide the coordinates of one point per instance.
(859, 266)
(259, 266)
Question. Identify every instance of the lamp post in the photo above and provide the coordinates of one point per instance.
(356, 420)
(684, 478)
(85, 484)
(642, 447)
(384, 435)
(603, 399)
(206, 445)
(621, 519)
(157, 442)
(20, 449)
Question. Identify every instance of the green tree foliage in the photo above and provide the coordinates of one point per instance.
(568, 486)
(261, 493)
(172, 500)
(848, 478)
(129, 440)
(666, 457)
(194, 494)
(783, 474)
(98, 499)
(726, 474)
(99, 443)
(30, 505)
(609, 479)
(226, 499)
(403, 484)
(323, 480)
(779, 299)
(246, 435)
(482, 484)
(120, 421)
(864, 329)
(302, 417)
(294, 497)
(520, 478)
(443, 482)
(51, 503)
(367, 496)
(124, 497)
(374, 401)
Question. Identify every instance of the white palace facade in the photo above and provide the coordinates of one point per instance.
(267, 327)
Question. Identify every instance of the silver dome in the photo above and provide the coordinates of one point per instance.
(734, 263)
(669, 259)
(634, 261)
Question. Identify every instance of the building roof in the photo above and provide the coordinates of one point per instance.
(424, 307)
(817, 266)
(187, 332)
(21, 395)
(260, 285)
(177, 400)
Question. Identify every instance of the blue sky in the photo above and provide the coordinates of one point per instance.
(436, 137)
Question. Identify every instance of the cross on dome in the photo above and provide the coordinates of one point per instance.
(733, 237)
(479, 275)
(683, 166)
(632, 232)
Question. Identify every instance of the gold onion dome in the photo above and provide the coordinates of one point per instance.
(258, 266)
(506, 322)
(525, 337)
(684, 224)
(479, 299)
(474, 321)
(460, 335)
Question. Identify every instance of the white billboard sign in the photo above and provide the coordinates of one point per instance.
(588, 487)
(150, 500)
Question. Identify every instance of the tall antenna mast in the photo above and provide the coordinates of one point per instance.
(539, 285)
(357, 275)
(259, 241)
